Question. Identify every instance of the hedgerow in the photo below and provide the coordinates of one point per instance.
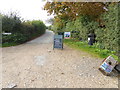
(21, 31)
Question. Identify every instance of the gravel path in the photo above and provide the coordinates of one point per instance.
(36, 65)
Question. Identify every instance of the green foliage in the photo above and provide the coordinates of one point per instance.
(9, 44)
(10, 23)
(59, 26)
(15, 38)
(27, 29)
(70, 26)
(93, 50)
(21, 31)
(108, 37)
(39, 26)
(84, 25)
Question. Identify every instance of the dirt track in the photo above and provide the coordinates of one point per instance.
(36, 65)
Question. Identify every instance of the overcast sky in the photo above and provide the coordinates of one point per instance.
(27, 9)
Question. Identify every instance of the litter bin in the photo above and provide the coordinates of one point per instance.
(91, 38)
(61, 33)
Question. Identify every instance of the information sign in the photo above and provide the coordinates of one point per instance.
(58, 41)
(108, 65)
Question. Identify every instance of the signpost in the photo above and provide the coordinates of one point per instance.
(58, 41)
(66, 35)
(108, 65)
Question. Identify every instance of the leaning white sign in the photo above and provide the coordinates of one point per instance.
(108, 65)
(66, 35)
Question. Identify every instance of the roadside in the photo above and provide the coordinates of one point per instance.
(36, 65)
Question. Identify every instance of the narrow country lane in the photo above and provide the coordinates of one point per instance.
(44, 39)
(36, 65)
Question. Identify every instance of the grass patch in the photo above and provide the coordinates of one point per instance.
(9, 44)
(93, 50)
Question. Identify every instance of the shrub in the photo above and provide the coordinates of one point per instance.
(10, 23)
(16, 38)
(21, 31)
(39, 26)
(109, 37)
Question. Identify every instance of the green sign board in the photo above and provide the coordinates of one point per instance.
(58, 41)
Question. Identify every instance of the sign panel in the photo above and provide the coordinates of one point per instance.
(58, 41)
(108, 65)
(66, 35)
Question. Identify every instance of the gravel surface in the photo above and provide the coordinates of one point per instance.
(36, 65)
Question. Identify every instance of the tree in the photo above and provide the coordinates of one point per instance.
(108, 37)
(71, 10)
(11, 23)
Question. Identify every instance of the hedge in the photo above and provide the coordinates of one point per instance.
(22, 31)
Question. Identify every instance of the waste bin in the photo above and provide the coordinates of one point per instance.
(61, 33)
(91, 38)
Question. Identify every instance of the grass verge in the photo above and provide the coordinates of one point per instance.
(9, 44)
(93, 50)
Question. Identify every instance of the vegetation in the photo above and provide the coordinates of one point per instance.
(21, 31)
(92, 50)
(108, 37)
(71, 10)
(88, 17)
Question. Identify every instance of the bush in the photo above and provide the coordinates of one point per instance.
(84, 25)
(15, 38)
(39, 26)
(27, 30)
(109, 37)
(21, 31)
(10, 23)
